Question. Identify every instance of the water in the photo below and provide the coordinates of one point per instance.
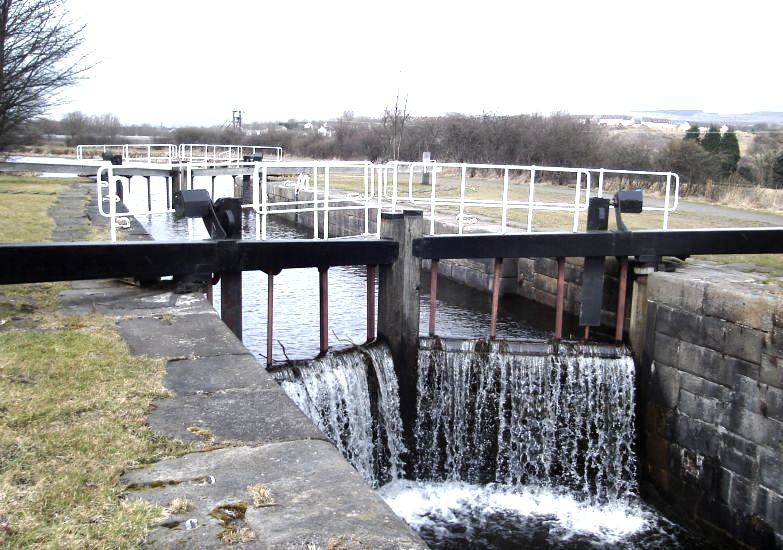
(296, 337)
(511, 451)
(551, 419)
(353, 399)
(459, 515)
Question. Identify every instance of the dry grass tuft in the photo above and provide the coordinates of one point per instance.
(260, 495)
(206, 436)
(237, 536)
(179, 506)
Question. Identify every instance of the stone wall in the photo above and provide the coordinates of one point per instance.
(711, 399)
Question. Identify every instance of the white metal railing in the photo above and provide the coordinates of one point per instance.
(671, 198)
(96, 152)
(196, 152)
(131, 152)
(186, 152)
(504, 203)
(449, 194)
(315, 178)
(149, 152)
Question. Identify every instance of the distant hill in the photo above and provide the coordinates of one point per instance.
(681, 113)
(760, 117)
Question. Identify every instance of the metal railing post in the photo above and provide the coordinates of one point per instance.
(495, 298)
(323, 300)
(433, 294)
(559, 301)
(371, 271)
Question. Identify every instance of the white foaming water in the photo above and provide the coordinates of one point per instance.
(361, 418)
(560, 420)
(438, 506)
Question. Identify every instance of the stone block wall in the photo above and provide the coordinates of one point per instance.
(711, 400)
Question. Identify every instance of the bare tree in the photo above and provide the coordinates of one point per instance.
(38, 59)
(75, 126)
(394, 125)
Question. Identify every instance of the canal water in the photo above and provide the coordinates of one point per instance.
(514, 498)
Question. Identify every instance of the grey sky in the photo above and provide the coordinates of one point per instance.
(178, 62)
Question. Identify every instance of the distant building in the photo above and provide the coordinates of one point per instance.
(324, 130)
(616, 120)
(658, 123)
(704, 129)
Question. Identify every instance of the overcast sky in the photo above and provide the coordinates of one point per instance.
(181, 62)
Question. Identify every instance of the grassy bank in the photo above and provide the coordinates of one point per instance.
(73, 404)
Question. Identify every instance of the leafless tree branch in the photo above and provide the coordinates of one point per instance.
(39, 57)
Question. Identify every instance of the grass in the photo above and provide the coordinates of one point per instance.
(24, 202)
(73, 408)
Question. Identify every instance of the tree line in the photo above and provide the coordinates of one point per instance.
(556, 140)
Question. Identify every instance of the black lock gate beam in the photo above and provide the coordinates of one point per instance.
(594, 246)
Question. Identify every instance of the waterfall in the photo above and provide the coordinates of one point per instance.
(487, 412)
(555, 418)
(352, 396)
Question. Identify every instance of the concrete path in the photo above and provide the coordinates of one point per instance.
(261, 475)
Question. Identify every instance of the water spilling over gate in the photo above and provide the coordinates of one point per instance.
(352, 398)
(527, 413)
(514, 440)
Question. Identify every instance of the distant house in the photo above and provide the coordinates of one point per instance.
(658, 123)
(704, 129)
(324, 130)
(616, 120)
(684, 127)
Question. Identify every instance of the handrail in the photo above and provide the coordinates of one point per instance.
(503, 201)
(379, 189)
(186, 152)
(667, 207)
(149, 152)
(202, 152)
(321, 203)
(83, 151)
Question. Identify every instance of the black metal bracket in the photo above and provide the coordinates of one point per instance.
(629, 202)
(594, 266)
(221, 218)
